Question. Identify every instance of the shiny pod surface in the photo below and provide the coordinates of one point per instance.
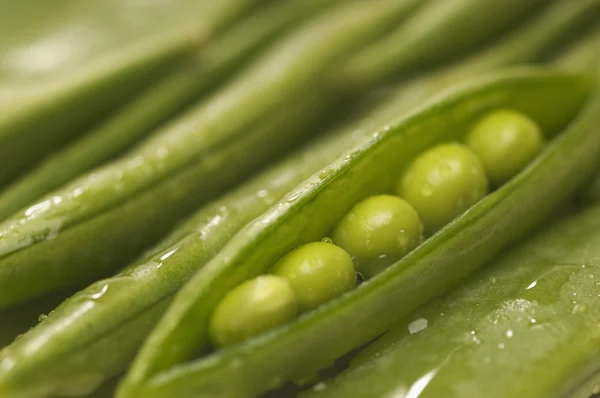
(95, 333)
(207, 67)
(312, 210)
(525, 328)
(105, 217)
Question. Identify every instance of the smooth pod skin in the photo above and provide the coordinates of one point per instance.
(506, 141)
(107, 57)
(168, 364)
(318, 272)
(106, 337)
(439, 31)
(187, 162)
(210, 66)
(524, 327)
(533, 42)
(442, 183)
(254, 306)
(378, 231)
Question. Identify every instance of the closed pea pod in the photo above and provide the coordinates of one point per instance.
(206, 68)
(187, 161)
(379, 231)
(102, 57)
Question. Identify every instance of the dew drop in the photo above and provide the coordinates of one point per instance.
(417, 325)
(327, 240)
(321, 386)
(579, 309)
(509, 333)
(42, 317)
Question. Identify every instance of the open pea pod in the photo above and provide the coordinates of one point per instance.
(310, 212)
(525, 327)
(94, 334)
(212, 63)
(65, 68)
(101, 220)
(105, 337)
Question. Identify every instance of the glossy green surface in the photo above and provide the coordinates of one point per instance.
(526, 327)
(103, 325)
(109, 324)
(377, 232)
(506, 142)
(103, 218)
(253, 307)
(212, 64)
(67, 67)
(306, 214)
(318, 272)
(442, 183)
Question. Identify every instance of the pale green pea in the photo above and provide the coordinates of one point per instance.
(253, 307)
(506, 141)
(378, 231)
(318, 273)
(442, 183)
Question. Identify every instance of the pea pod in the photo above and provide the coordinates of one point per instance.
(212, 64)
(101, 57)
(536, 41)
(439, 31)
(583, 54)
(104, 218)
(95, 328)
(213, 226)
(525, 327)
(312, 210)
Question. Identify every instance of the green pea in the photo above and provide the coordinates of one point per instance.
(253, 307)
(318, 273)
(506, 141)
(378, 231)
(442, 183)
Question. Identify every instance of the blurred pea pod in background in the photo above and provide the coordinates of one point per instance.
(66, 67)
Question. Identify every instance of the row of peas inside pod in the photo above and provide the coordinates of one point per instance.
(440, 184)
